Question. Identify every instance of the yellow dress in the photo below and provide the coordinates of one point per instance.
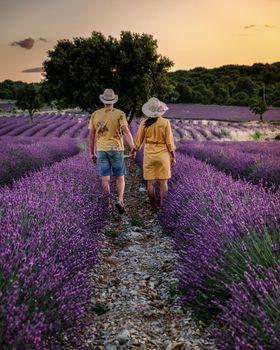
(159, 142)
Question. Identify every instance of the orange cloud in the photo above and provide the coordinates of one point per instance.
(250, 26)
(26, 43)
(269, 26)
(33, 70)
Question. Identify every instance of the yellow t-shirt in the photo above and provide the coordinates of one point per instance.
(107, 125)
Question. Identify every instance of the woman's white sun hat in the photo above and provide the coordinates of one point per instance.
(154, 107)
(108, 97)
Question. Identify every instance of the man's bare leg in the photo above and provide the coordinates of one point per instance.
(106, 188)
(120, 183)
(152, 194)
(163, 185)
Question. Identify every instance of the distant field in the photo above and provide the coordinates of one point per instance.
(53, 124)
(215, 112)
(197, 111)
(7, 106)
(75, 125)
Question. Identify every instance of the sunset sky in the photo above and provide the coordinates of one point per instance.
(192, 33)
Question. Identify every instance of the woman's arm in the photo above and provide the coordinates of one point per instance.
(170, 143)
(173, 159)
(139, 137)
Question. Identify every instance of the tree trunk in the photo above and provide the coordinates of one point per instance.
(31, 116)
(131, 114)
(261, 118)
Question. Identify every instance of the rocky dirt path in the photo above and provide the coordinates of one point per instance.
(134, 306)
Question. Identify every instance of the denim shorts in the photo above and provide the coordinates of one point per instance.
(110, 162)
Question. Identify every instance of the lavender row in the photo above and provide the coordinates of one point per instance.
(18, 159)
(254, 161)
(226, 235)
(45, 124)
(48, 247)
(76, 126)
(216, 112)
(251, 147)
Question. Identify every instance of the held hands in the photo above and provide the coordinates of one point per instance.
(132, 154)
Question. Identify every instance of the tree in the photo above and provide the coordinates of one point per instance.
(201, 94)
(28, 98)
(230, 84)
(259, 108)
(77, 71)
(241, 98)
(245, 84)
(8, 89)
(185, 93)
(221, 94)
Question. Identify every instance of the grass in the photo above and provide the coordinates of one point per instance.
(174, 290)
(100, 308)
(136, 221)
(83, 146)
(257, 135)
(111, 234)
(225, 132)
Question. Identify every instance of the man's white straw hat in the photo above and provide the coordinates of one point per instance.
(108, 97)
(154, 107)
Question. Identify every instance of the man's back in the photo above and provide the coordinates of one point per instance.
(107, 124)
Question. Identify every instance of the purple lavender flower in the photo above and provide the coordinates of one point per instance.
(20, 156)
(49, 223)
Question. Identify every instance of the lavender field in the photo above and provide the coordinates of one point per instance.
(23, 155)
(216, 112)
(225, 225)
(53, 124)
(75, 125)
(256, 162)
(201, 130)
(226, 235)
(47, 250)
(222, 214)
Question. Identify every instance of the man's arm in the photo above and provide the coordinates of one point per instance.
(92, 145)
(127, 135)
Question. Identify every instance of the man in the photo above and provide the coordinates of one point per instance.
(107, 125)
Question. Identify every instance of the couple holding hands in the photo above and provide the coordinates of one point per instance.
(107, 127)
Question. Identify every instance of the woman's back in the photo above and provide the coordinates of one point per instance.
(157, 131)
(156, 137)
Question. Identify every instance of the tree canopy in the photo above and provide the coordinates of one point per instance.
(77, 71)
(28, 98)
(228, 85)
(8, 89)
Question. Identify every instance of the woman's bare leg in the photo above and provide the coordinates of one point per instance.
(163, 190)
(152, 194)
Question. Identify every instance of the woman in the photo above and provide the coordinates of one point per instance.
(159, 156)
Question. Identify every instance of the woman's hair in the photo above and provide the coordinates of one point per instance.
(149, 122)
